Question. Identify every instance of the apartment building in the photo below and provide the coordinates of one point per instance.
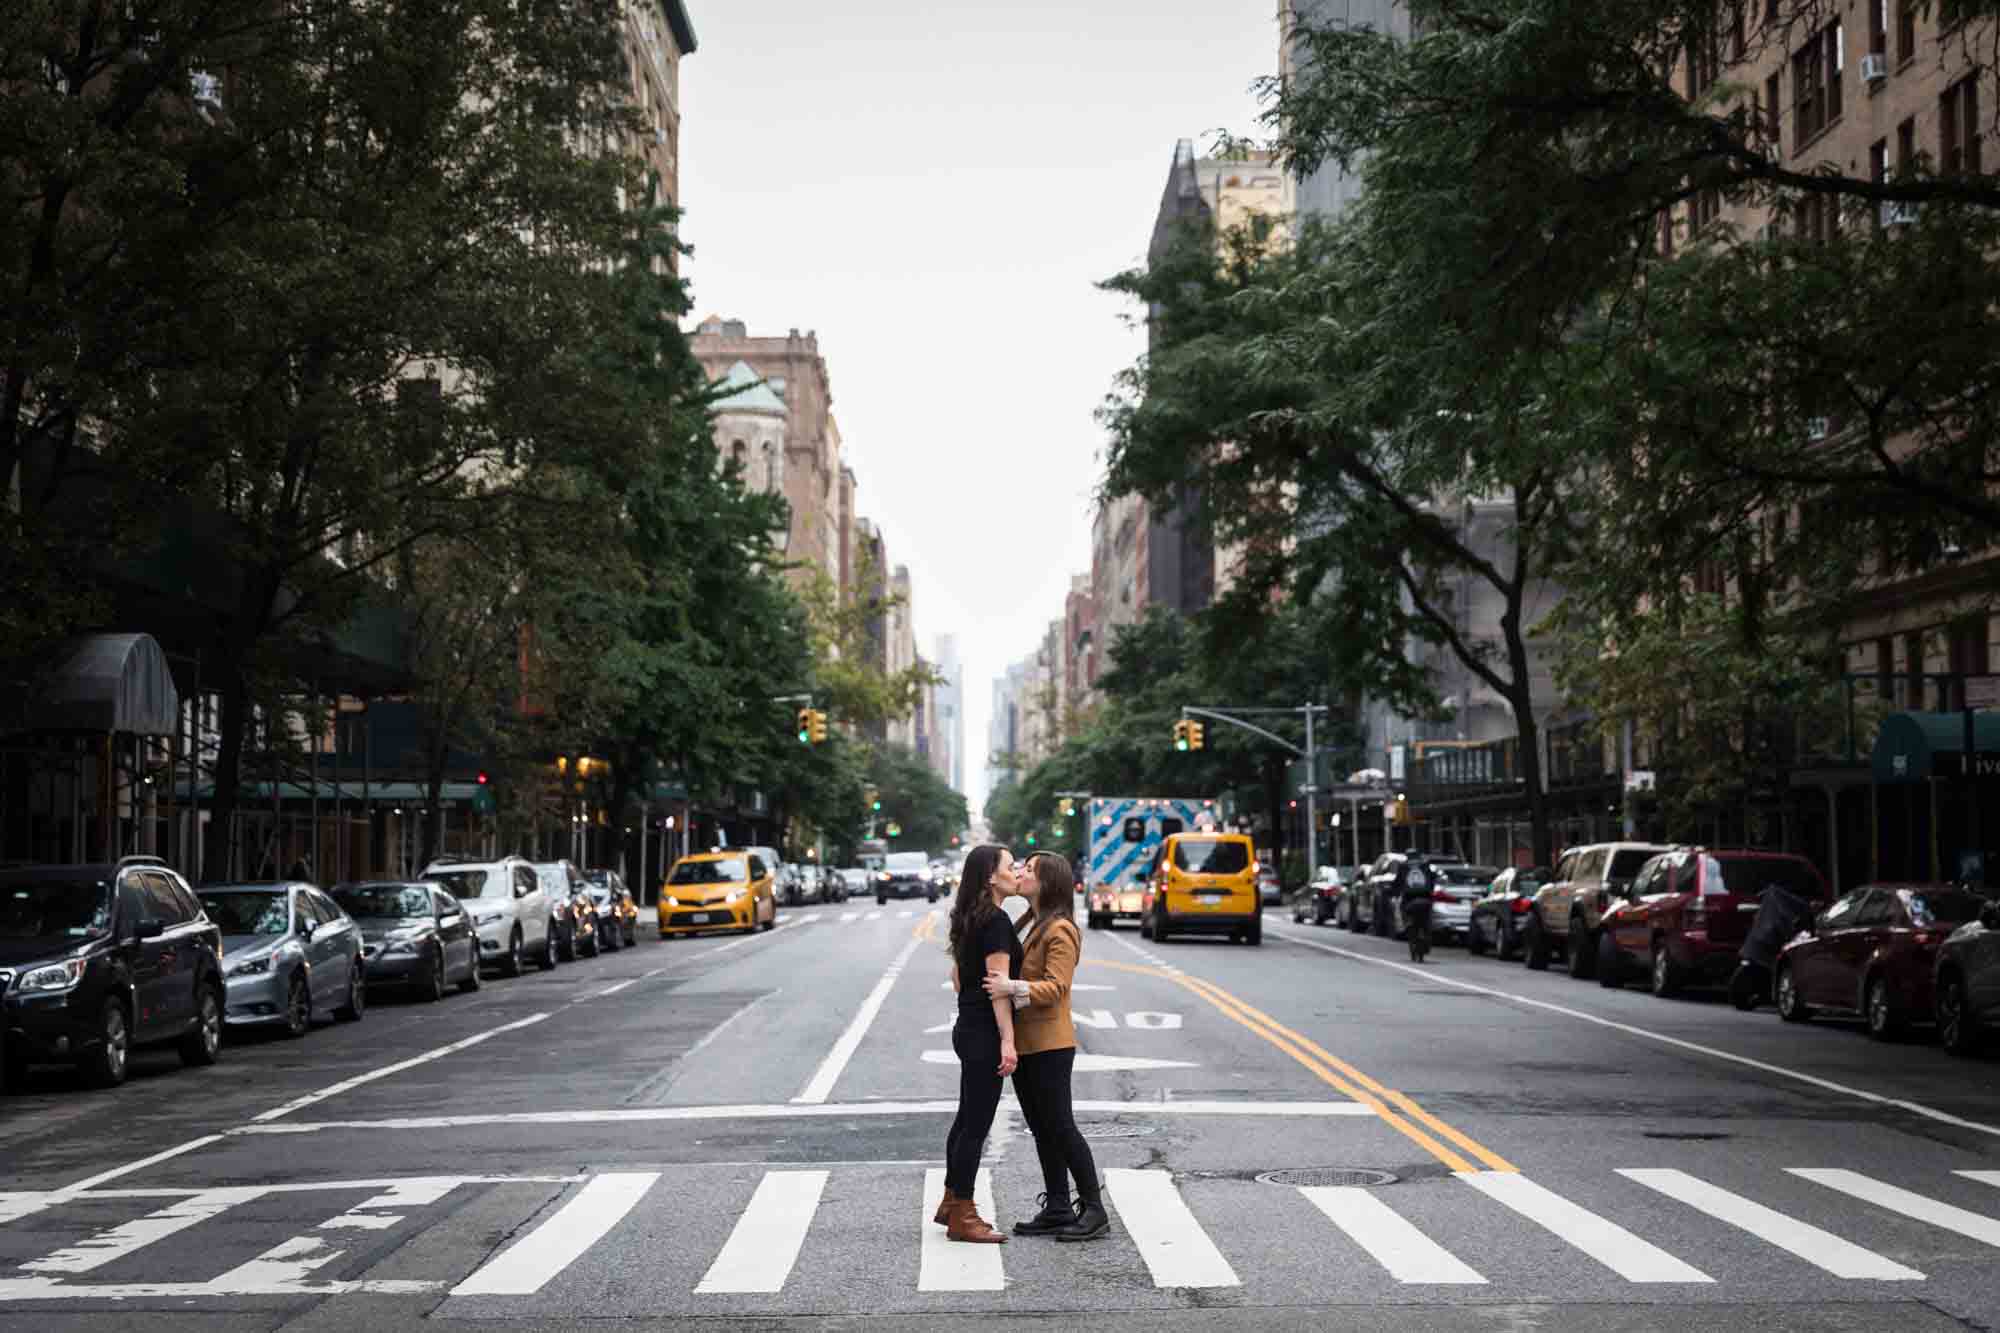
(657, 35)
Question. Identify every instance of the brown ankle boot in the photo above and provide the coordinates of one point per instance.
(943, 1215)
(967, 1225)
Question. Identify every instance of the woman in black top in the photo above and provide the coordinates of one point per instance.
(982, 942)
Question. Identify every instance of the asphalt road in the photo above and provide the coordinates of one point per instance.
(744, 1131)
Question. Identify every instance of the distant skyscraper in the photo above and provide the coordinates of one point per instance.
(948, 742)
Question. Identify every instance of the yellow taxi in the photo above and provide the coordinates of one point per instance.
(724, 889)
(1204, 883)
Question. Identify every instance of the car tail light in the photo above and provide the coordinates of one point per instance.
(1440, 896)
(1924, 939)
(1520, 906)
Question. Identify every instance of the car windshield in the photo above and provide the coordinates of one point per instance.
(599, 893)
(54, 909)
(598, 876)
(1944, 907)
(474, 882)
(1481, 875)
(384, 901)
(248, 911)
(1749, 876)
(906, 863)
(1211, 856)
(728, 870)
(1625, 864)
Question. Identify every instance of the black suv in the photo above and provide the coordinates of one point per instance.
(97, 959)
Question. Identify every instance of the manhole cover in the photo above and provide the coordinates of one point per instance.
(1326, 1175)
(1687, 1136)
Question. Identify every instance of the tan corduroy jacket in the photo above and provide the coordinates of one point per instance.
(1048, 966)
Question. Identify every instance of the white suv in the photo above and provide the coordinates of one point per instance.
(509, 910)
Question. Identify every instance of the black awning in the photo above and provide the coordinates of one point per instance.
(105, 683)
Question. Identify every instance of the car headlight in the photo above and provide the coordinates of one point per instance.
(401, 944)
(673, 902)
(52, 977)
(885, 877)
(735, 896)
(251, 967)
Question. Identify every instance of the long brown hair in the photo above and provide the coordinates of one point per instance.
(1055, 891)
(974, 902)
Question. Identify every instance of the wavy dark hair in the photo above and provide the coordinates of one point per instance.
(1055, 889)
(974, 902)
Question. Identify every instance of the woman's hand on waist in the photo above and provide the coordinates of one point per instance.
(998, 984)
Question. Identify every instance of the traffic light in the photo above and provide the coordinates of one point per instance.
(1068, 807)
(805, 726)
(874, 799)
(481, 779)
(818, 726)
(1181, 734)
(1031, 837)
(1195, 734)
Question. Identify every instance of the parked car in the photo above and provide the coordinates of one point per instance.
(725, 889)
(905, 875)
(288, 952)
(1270, 889)
(414, 936)
(97, 959)
(791, 885)
(1454, 889)
(1203, 884)
(1967, 983)
(508, 906)
(1684, 918)
(573, 916)
(617, 909)
(1563, 919)
(1320, 899)
(1497, 916)
(1874, 953)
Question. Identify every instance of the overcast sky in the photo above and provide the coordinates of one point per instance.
(936, 189)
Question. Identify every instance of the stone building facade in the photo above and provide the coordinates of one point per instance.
(657, 35)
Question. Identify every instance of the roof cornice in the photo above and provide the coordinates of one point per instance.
(683, 29)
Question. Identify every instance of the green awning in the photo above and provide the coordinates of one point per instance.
(1909, 745)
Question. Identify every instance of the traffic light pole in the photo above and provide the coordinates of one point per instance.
(1235, 718)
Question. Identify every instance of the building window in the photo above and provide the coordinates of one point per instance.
(1773, 87)
(1701, 65)
(1906, 147)
(1970, 648)
(1958, 128)
(1878, 26)
(1906, 30)
(1667, 233)
(1738, 41)
(1878, 172)
(1707, 206)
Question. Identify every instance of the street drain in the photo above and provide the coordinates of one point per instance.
(1326, 1175)
(1684, 1136)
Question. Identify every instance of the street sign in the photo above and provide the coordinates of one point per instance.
(1984, 764)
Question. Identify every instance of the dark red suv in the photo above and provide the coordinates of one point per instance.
(1873, 953)
(1685, 914)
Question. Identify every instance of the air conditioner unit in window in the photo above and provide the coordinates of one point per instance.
(206, 90)
(1874, 67)
(1898, 214)
(1817, 428)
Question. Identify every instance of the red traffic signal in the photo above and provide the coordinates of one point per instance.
(481, 778)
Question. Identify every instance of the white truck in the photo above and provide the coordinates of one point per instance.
(1125, 837)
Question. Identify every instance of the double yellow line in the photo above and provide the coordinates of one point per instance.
(927, 928)
(1433, 1135)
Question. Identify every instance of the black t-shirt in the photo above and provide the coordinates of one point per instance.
(994, 935)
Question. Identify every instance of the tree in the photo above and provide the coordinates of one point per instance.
(925, 808)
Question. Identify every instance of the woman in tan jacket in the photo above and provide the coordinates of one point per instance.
(1045, 1040)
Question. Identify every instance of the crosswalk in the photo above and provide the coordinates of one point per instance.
(834, 916)
(1180, 1233)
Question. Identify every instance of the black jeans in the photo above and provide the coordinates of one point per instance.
(978, 1048)
(1041, 1081)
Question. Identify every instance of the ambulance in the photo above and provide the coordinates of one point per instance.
(1125, 837)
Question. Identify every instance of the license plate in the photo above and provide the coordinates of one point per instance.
(1211, 897)
(702, 918)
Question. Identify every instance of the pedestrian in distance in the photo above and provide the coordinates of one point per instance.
(1045, 1036)
(982, 1034)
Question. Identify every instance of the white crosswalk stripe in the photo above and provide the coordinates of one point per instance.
(1162, 1222)
(1177, 1251)
(1822, 1249)
(766, 1240)
(1408, 1254)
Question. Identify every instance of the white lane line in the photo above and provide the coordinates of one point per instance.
(905, 914)
(1983, 1177)
(109, 1246)
(26, 1203)
(390, 1184)
(1432, 977)
(1617, 1249)
(1964, 1221)
(613, 990)
(1408, 1254)
(1822, 1249)
(765, 1243)
(1177, 1251)
(777, 1111)
(820, 1086)
(360, 1080)
(944, 1264)
(871, 916)
(523, 1268)
(849, 916)
(285, 1264)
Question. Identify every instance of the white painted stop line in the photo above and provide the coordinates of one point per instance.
(524, 1267)
(1177, 1251)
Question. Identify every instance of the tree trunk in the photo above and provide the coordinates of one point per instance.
(1541, 830)
(218, 847)
(435, 755)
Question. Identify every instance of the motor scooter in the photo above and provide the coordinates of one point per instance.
(1780, 915)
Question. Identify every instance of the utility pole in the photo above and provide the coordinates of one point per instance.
(1236, 717)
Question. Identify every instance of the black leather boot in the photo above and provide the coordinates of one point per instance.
(1091, 1222)
(1055, 1215)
